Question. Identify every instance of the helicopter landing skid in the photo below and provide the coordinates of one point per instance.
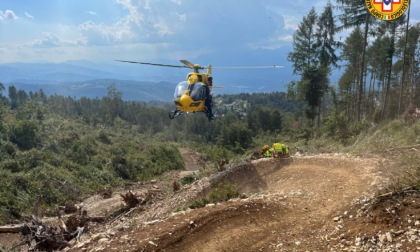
(174, 113)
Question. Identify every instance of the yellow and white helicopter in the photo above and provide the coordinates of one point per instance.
(194, 94)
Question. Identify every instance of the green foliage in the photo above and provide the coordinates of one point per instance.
(340, 129)
(384, 137)
(199, 203)
(237, 137)
(188, 179)
(82, 150)
(264, 119)
(7, 149)
(145, 163)
(216, 154)
(63, 148)
(304, 41)
(23, 133)
(221, 193)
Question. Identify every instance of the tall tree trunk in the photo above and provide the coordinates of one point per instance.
(362, 70)
(388, 83)
(370, 94)
(404, 60)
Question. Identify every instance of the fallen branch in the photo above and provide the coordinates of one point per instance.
(404, 190)
(405, 147)
(11, 229)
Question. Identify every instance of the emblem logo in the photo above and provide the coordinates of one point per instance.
(387, 9)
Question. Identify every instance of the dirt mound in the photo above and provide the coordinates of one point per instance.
(292, 205)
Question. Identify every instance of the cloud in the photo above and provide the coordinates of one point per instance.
(291, 22)
(92, 13)
(144, 22)
(49, 40)
(182, 17)
(8, 14)
(179, 2)
(99, 34)
(196, 25)
(29, 15)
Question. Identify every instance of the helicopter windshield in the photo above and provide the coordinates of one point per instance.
(180, 89)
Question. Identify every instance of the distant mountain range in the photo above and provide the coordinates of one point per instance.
(149, 83)
(97, 88)
(136, 82)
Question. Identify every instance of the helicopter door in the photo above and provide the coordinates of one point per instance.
(198, 92)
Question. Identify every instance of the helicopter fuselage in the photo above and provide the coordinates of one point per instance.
(190, 95)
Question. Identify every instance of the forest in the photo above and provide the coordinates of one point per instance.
(63, 149)
(380, 63)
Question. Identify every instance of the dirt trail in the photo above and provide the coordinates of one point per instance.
(295, 204)
(291, 205)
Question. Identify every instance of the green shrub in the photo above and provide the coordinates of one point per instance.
(6, 149)
(202, 202)
(11, 165)
(23, 134)
(221, 193)
(103, 137)
(188, 179)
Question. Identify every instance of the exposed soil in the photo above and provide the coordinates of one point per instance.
(303, 203)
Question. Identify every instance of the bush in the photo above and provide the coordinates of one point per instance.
(188, 179)
(221, 193)
(410, 164)
(6, 149)
(23, 134)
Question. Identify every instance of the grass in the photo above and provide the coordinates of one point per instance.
(221, 193)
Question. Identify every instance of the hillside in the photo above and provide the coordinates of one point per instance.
(106, 174)
(305, 203)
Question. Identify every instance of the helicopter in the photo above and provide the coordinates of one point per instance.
(194, 94)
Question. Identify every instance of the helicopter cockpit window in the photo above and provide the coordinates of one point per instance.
(180, 89)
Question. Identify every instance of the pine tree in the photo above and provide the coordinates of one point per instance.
(304, 44)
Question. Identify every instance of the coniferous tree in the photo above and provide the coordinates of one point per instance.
(325, 48)
(313, 56)
(13, 97)
(304, 43)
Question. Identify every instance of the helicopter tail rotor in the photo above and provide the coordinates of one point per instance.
(209, 70)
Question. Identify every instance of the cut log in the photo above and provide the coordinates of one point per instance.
(11, 229)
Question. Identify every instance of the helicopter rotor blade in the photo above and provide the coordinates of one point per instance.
(248, 67)
(153, 64)
(187, 64)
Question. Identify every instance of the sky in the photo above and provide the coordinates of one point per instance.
(147, 30)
